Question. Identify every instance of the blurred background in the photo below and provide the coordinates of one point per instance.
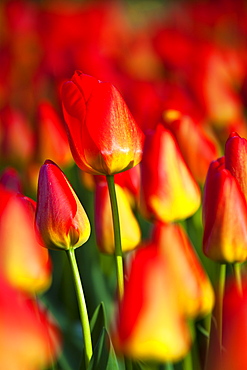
(163, 56)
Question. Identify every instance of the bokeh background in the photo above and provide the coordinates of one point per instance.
(188, 56)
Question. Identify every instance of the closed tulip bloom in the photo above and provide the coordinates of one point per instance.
(150, 325)
(224, 216)
(24, 263)
(103, 135)
(195, 292)
(29, 337)
(130, 230)
(202, 148)
(168, 190)
(61, 221)
(235, 159)
(51, 136)
(234, 330)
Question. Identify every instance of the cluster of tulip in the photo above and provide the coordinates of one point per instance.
(147, 170)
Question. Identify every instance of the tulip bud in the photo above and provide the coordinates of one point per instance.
(196, 296)
(29, 338)
(52, 138)
(103, 136)
(130, 230)
(224, 216)
(202, 148)
(168, 190)
(60, 218)
(236, 159)
(150, 325)
(24, 263)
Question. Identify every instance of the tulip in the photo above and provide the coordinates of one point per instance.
(196, 296)
(17, 139)
(130, 181)
(52, 138)
(10, 179)
(29, 338)
(24, 263)
(224, 216)
(103, 136)
(150, 325)
(235, 159)
(168, 190)
(234, 333)
(202, 148)
(130, 230)
(61, 221)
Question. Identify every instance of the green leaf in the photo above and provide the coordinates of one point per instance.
(97, 323)
(104, 357)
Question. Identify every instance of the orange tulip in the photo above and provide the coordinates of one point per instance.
(29, 338)
(103, 136)
(150, 325)
(196, 296)
(168, 190)
(24, 263)
(61, 221)
(130, 230)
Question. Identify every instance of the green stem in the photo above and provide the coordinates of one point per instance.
(187, 362)
(238, 277)
(167, 366)
(221, 289)
(81, 305)
(128, 364)
(117, 235)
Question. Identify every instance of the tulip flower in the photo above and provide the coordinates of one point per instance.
(150, 325)
(168, 190)
(29, 338)
(17, 139)
(130, 181)
(103, 136)
(224, 216)
(24, 263)
(60, 218)
(202, 148)
(11, 180)
(196, 296)
(52, 139)
(234, 333)
(130, 230)
(235, 159)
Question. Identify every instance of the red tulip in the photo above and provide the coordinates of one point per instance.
(103, 136)
(202, 148)
(60, 218)
(236, 159)
(168, 190)
(52, 138)
(234, 333)
(224, 216)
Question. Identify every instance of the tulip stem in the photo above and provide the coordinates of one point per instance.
(221, 289)
(238, 277)
(117, 235)
(82, 306)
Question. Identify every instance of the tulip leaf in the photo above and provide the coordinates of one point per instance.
(104, 357)
(97, 323)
